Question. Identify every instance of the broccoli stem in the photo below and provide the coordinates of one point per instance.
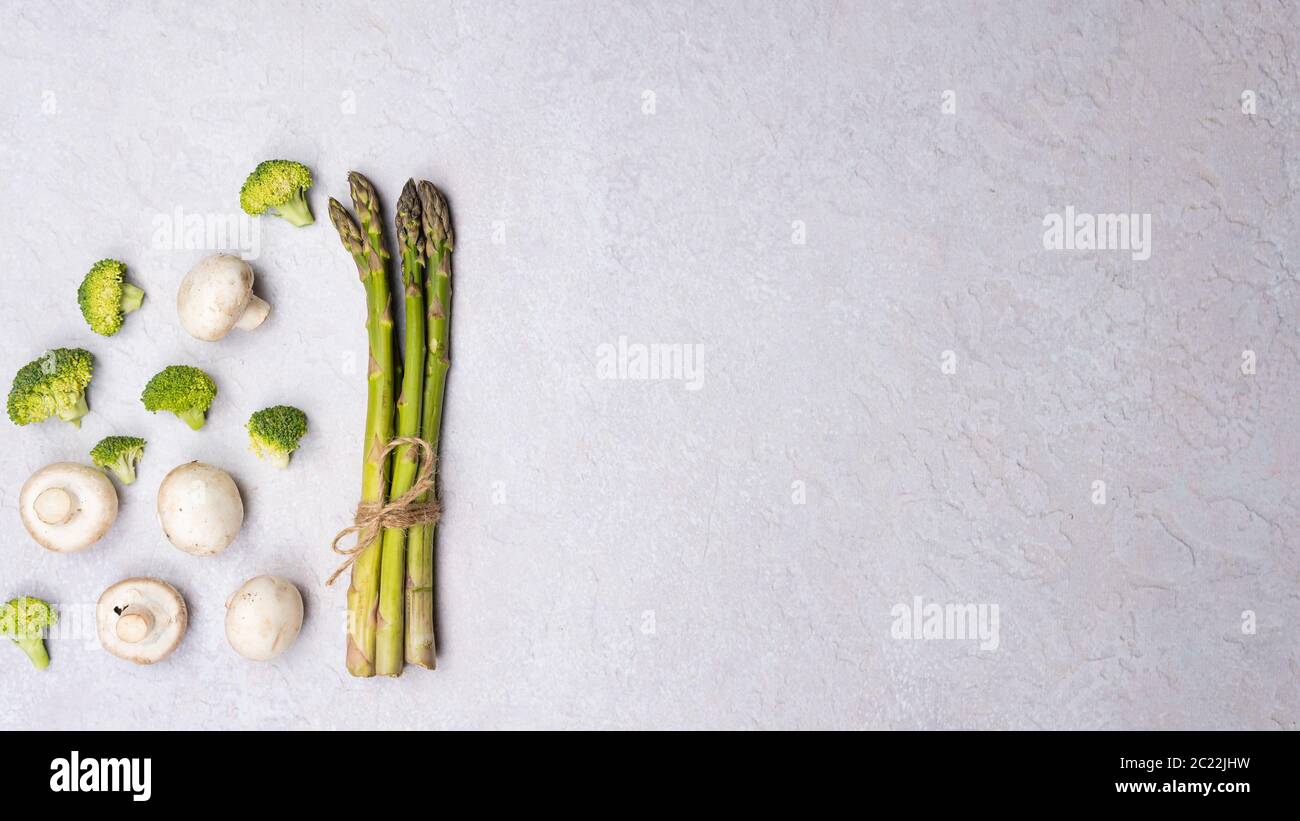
(73, 414)
(419, 570)
(124, 469)
(296, 210)
(194, 417)
(278, 458)
(390, 652)
(35, 650)
(131, 298)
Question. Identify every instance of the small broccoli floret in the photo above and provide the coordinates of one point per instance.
(278, 186)
(274, 432)
(119, 454)
(53, 385)
(183, 390)
(24, 619)
(104, 298)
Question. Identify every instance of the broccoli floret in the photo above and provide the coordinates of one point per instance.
(53, 385)
(278, 186)
(184, 390)
(274, 432)
(23, 620)
(119, 454)
(104, 298)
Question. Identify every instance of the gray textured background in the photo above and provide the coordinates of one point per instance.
(582, 511)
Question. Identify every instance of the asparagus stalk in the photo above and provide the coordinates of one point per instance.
(438, 239)
(389, 648)
(371, 257)
(350, 235)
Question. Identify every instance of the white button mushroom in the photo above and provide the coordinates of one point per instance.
(217, 295)
(67, 507)
(263, 617)
(141, 620)
(200, 509)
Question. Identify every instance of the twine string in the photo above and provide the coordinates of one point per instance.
(407, 510)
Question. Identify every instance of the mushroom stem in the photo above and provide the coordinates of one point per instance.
(254, 314)
(53, 506)
(133, 624)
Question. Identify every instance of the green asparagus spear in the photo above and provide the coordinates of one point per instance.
(365, 242)
(389, 647)
(438, 241)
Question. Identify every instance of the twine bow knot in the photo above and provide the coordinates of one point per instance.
(407, 510)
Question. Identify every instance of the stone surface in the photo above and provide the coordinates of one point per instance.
(781, 187)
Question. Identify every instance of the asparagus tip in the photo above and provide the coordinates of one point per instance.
(349, 231)
(408, 218)
(436, 216)
(363, 192)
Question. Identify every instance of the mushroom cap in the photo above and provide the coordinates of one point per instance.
(150, 611)
(200, 509)
(77, 504)
(263, 617)
(213, 296)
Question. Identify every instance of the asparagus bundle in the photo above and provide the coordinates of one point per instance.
(370, 254)
(438, 240)
(390, 599)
